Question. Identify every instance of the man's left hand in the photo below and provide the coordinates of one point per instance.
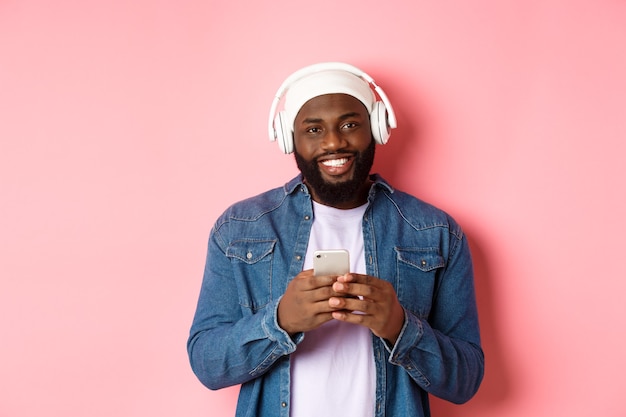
(370, 302)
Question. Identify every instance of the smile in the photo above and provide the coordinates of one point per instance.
(335, 162)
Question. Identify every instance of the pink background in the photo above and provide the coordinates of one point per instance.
(127, 127)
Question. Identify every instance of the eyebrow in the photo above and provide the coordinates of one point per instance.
(342, 117)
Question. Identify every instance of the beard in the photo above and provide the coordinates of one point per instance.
(334, 194)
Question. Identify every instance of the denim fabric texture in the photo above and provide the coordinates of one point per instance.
(258, 245)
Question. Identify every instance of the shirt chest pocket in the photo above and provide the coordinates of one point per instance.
(252, 261)
(416, 275)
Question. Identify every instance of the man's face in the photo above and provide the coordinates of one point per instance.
(334, 149)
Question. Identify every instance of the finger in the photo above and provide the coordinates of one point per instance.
(308, 282)
(351, 317)
(352, 304)
(322, 294)
(352, 277)
(376, 284)
(355, 289)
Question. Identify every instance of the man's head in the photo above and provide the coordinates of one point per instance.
(334, 149)
(332, 119)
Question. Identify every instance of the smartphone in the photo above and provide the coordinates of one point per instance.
(331, 262)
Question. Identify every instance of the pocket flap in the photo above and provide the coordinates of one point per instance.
(425, 259)
(250, 250)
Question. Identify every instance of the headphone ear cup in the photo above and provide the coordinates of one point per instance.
(284, 137)
(379, 124)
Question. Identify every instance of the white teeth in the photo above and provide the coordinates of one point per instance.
(335, 162)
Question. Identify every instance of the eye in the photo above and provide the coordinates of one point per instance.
(313, 130)
(349, 125)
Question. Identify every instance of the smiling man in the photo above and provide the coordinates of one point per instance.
(401, 325)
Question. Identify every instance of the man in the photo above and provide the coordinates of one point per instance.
(376, 341)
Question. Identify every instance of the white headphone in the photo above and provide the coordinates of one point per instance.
(382, 117)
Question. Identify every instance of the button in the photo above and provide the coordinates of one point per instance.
(423, 262)
(298, 257)
(283, 404)
(307, 217)
(249, 255)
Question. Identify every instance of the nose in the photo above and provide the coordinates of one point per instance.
(333, 141)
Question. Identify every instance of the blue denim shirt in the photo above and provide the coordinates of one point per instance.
(258, 245)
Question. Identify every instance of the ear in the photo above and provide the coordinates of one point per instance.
(379, 124)
(284, 135)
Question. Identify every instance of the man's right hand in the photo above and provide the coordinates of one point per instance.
(304, 305)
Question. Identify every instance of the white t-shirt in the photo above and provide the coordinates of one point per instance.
(333, 370)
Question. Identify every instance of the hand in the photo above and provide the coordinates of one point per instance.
(304, 305)
(378, 308)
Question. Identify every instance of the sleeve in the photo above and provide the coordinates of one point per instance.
(442, 354)
(226, 347)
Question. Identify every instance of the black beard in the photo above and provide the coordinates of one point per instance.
(334, 194)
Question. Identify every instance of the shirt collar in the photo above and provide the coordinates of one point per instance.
(297, 183)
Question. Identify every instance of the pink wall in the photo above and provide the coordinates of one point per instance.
(126, 129)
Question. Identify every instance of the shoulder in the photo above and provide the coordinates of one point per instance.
(252, 208)
(416, 212)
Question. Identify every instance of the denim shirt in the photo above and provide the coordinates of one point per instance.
(258, 245)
